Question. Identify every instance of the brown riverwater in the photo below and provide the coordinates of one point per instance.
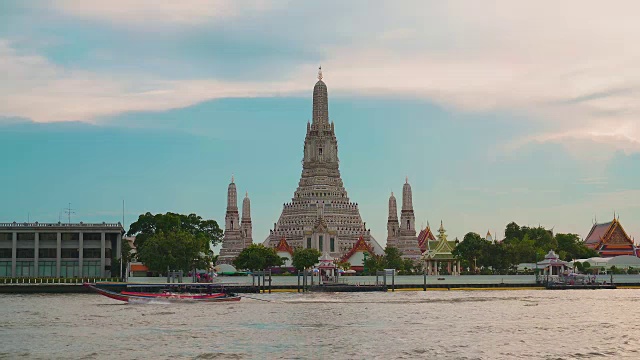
(405, 325)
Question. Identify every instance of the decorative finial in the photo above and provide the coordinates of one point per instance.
(232, 179)
(246, 194)
(406, 179)
(320, 72)
(392, 193)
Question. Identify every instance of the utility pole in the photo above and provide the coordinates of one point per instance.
(69, 211)
(122, 268)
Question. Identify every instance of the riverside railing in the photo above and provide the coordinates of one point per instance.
(54, 281)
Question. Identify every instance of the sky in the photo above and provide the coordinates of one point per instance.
(496, 111)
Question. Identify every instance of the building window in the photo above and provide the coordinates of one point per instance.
(107, 253)
(91, 268)
(47, 253)
(91, 253)
(69, 269)
(48, 236)
(91, 236)
(111, 236)
(5, 268)
(25, 268)
(26, 236)
(320, 151)
(69, 253)
(25, 253)
(5, 253)
(308, 243)
(46, 268)
(408, 224)
(70, 236)
(6, 237)
(320, 243)
(332, 244)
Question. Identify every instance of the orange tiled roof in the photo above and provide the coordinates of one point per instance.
(139, 267)
(360, 245)
(283, 246)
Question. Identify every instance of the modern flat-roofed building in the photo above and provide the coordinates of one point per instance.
(58, 249)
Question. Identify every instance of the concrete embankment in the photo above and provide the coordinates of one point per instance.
(78, 288)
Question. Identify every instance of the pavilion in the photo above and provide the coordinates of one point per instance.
(439, 252)
(552, 265)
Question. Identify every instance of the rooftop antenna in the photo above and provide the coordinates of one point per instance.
(69, 211)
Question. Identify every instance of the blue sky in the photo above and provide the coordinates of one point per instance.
(496, 113)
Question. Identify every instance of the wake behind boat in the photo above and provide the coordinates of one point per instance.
(130, 296)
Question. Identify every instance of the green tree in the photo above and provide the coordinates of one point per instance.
(257, 257)
(572, 247)
(474, 250)
(393, 258)
(148, 224)
(374, 263)
(512, 231)
(408, 266)
(305, 258)
(175, 250)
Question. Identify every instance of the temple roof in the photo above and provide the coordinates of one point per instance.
(598, 231)
(283, 246)
(425, 235)
(439, 249)
(603, 233)
(360, 245)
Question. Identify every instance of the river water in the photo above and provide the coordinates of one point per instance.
(533, 324)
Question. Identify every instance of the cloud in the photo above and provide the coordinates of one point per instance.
(145, 13)
(569, 69)
(44, 92)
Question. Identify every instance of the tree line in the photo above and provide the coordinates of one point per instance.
(182, 242)
(520, 245)
(174, 241)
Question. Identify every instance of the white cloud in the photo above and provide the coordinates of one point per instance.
(146, 13)
(570, 66)
(39, 90)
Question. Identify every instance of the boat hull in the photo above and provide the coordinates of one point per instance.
(172, 299)
(173, 295)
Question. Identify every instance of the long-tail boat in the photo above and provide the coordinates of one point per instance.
(164, 297)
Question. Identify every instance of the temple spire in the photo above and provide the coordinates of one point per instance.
(232, 196)
(320, 103)
(393, 208)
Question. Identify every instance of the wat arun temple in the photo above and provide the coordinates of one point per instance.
(320, 215)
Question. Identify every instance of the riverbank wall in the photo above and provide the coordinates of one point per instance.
(248, 289)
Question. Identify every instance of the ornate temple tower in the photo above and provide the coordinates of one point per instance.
(407, 241)
(320, 214)
(234, 240)
(247, 231)
(393, 226)
(407, 218)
